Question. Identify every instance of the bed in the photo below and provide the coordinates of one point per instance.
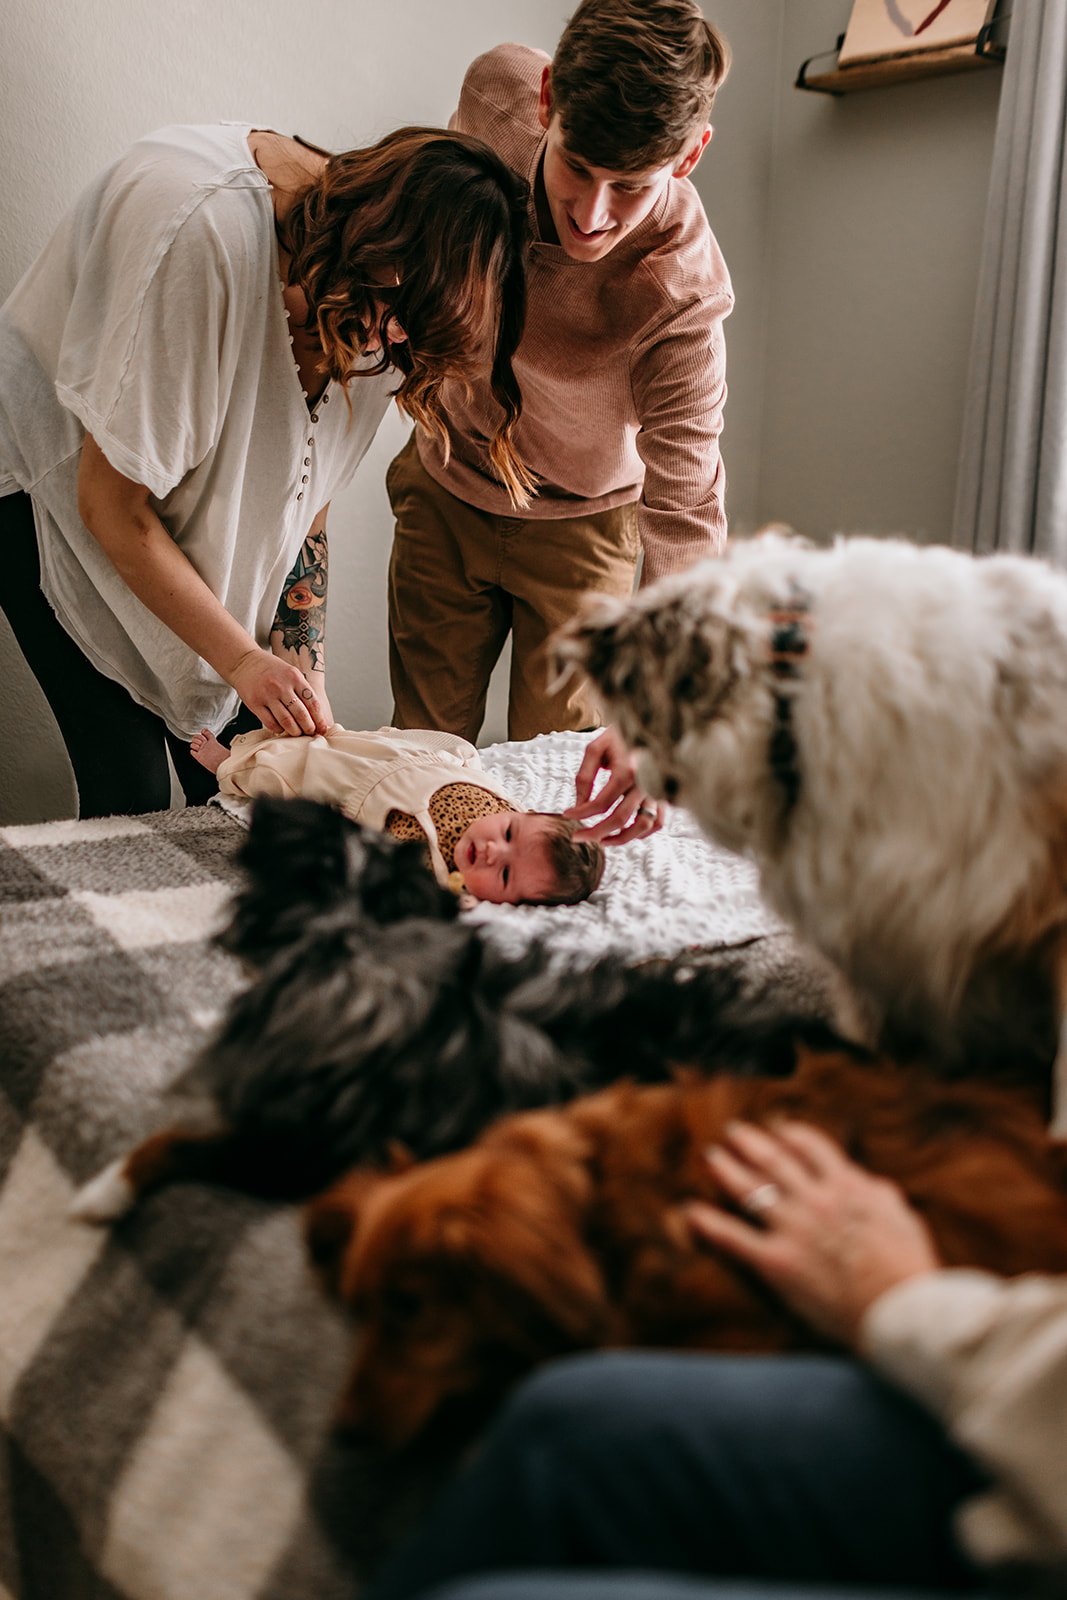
(166, 1387)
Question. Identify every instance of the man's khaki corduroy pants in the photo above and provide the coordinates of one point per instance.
(461, 579)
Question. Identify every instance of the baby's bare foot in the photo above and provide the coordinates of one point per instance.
(206, 749)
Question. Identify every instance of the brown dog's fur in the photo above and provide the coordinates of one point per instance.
(565, 1229)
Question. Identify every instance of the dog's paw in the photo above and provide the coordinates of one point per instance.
(106, 1197)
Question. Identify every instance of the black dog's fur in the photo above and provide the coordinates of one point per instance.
(301, 858)
(377, 1018)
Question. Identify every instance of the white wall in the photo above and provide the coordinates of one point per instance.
(877, 212)
(851, 229)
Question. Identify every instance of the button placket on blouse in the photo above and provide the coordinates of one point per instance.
(323, 401)
(307, 459)
(314, 414)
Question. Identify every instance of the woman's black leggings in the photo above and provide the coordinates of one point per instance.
(117, 748)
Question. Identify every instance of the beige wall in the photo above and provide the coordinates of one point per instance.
(876, 219)
(851, 228)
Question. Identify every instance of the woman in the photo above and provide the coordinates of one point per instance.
(191, 369)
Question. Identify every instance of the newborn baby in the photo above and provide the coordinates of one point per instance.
(425, 786)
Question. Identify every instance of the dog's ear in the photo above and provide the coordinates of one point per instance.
(587, 644)
(295, 860)
(394, 881)
(780, 535)
(331, 1222)
(523, 1246)
(288, 838)
(672, 650)
(603, 645)
(544, 1284)
(399, 1157)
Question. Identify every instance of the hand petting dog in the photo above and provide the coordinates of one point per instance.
(583, 1227)
(826, 1235)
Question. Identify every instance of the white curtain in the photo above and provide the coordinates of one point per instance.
(1012, 491)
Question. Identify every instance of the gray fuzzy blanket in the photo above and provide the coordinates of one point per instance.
(166, 1387)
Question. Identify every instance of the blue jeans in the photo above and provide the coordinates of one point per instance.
(549, 1584)
(615, 1585)
(792, 1470)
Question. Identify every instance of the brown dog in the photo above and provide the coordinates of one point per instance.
(565, 1229)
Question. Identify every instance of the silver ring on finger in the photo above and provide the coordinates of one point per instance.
(763, 1198)
(647, 811)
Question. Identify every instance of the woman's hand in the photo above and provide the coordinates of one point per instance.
(625, 811)
(825, 1234)
(317, 681)
(279, 694)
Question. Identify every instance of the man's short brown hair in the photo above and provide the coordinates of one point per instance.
(577, 863)
(633, 80)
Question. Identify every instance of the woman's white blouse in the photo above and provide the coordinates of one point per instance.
(154, 320)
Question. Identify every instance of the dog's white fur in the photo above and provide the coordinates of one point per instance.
(929, 832)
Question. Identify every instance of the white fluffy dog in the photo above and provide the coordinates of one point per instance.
(883, 727)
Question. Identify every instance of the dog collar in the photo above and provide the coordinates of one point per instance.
(789, 646)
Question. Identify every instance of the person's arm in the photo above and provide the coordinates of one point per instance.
(298, 632)
(987, 1356)
(679, 385)
(625, 811)
(118, 513)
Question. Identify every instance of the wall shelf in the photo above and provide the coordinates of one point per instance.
(832, 79)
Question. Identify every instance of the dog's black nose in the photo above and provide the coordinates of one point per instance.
(670, 788)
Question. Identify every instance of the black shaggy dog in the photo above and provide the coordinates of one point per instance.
(378, 1019)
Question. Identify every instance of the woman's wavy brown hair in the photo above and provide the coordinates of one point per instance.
(431, 228)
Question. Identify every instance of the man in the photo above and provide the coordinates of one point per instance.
(621, 368)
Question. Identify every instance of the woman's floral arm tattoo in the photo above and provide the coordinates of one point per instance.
(299, 629)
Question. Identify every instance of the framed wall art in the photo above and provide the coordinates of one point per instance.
(881, 30)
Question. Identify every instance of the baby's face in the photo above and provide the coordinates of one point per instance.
(504, 858)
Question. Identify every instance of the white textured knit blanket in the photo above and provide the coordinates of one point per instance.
(657, 896)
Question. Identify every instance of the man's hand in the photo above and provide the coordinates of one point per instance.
(625, 811)
(825, 1234)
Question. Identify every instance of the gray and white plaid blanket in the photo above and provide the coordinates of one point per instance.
(166, 1387)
